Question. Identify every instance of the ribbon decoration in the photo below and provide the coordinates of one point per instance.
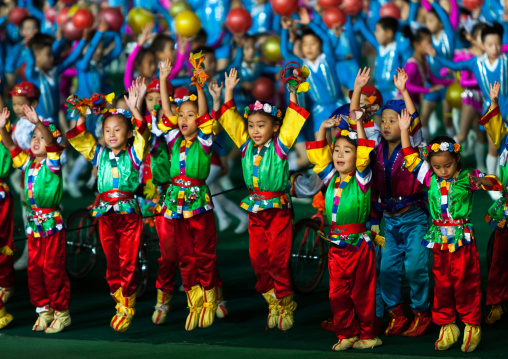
(96, 104)
(296, 79)
(199, 75)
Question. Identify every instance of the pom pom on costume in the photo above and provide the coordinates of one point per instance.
(96, 104)
(199, 76)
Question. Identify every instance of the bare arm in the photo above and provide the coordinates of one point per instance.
(325, 125)
(231, 82)
(31, 115)
(6, 136)
(362, 78)
(400, 83)
(215, 91)
(164, 71)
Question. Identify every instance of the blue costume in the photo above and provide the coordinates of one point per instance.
(263, 18)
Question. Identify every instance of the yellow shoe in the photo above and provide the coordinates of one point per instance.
(162, 307)
(45, 318)
(222, 310)
(288, 306)
(367, 343)
(5, 294)
(273, 308)
(62, 320)
(207, 314)
(124, 312)
(472, 337)
(195, 303)
(495, 314)
(344, 344)
(5, 318)
(448, 336)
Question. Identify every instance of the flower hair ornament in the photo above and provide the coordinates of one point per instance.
(179, 101)
(442, 147)
(269, 109)
(55, 131)
(96, 104)
(347, 133)
(118, 111)
(199, 75)
(295, 77)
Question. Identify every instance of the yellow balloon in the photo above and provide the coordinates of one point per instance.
(138, 18)
(74, 8)
(454, 95)
(271, 49)
(187, 24)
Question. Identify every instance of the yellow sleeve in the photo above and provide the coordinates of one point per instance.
(493, 123)
(82, 141)
(293, 122)
(233, 123)
(320, 155)
(205, 124)
(19, 158)
(141, 144)
(166, 124)
(363, 151)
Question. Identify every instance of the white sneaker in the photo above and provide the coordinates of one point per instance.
(495, 195)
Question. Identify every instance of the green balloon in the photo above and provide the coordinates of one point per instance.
(271, 49)
(177, 8)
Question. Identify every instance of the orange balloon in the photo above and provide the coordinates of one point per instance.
(187, 24)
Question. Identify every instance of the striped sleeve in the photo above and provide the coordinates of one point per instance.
(363, 169)
(415, 130)
(497, 130)
(166, 124)
(20, 159)
(233, 123)
(496, 184)
(84, 142)
(321, 156)
(53, 160)
(293, 122)
(420, 168)
(205, 132)
(139, 149)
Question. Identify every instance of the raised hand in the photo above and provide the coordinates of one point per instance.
(4, 117)
(146, 34)
(140, 84)
(362, 78)
(231, 80)
(494, 93)
(286, 22)
(30, 114)
(133, 97)
(400, 80)
(331, 122)
(404, 120)
(165, 69)
(215, 90)
(103, 26)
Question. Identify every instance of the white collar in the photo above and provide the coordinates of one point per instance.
(314, 66)
(485, 59)
(383, 50)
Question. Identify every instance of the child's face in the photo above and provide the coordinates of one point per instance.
(311, 47)
(210, 64)
(249, 50)
(492, 44)
(187, 120)
(122, 104)
(433, 23)
(152, 99)
(168, 53)
(383, 37)
(28, 29)
(148, 67)
(261, 128)
(17, 105)
(37, 144)
(423, 45)
(116, 133)
(44, 59)
(344, 156)
(390, 126)
(444, 164)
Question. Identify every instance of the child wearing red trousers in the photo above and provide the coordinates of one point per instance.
(120, 221)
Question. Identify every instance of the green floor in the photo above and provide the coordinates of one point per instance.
(242, 334)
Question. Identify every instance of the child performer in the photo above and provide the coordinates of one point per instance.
(456, 267)
(402, 203)
(497, 284)
(265, 169)
(352, 263)
(47, 278)
(120, 222)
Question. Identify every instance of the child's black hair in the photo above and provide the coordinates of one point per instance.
(349, 140)
(161, 41)
(201, 37)
(141, 55)
(193, 103)
(439, 140)
(273, 119)
(30, 18)
(309, 32)
(389, 23)
(126, 121)
(480, 26)
(494, 29)
(40, 41)
(119, 97)
(206, 50)
(417, 36)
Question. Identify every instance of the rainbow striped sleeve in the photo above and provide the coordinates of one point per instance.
(321, 156)
(233, 123)
(291, 125)
(139, 149)
(495, 186)
(166, 124)
(497, 130)
(83, 142)
(53, 160)
(19, 158)
(205, 132)
(415, 130)
(420, 168)
(363, 170)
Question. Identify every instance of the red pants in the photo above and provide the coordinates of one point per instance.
(270, 240)
(457, 285)
(6, 229)
(353, 291)
(47, 278)
(497, 284)
(168, 261)
(121, 239)
(196, 245)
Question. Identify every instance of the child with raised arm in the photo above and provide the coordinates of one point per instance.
(120, 222)
(456, 267)
(352, 264)
(265, 142)
(47, 278)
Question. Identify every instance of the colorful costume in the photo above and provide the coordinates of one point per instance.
(352, 262)
(120, 222)
(456, 266)
(265, 171)
(47, 277)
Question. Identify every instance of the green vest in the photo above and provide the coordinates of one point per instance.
(5, 169)
(497, 210)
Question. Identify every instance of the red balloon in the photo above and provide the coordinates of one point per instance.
(352, 7)
(71, 32)
(333, 17)
(68, 1)
(62, 16)
(113, 17)
(390, 10)
(50, 14)
(284, 7)
(472, 5)
(239, 21)
(327, 4)
(83, 19)
(17, 15)
(264, 89)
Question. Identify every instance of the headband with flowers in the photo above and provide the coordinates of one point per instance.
(96, 104)
(346, 133)
(269, 109)
(442, 147)
(118, 111)
(179, 101)
(53, 129)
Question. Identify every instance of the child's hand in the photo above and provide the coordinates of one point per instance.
(133, 97)
(331, 122)
(103, 26)
(215, 90)
(165, 69)
(362, 78)
(494, 93)
(4, 117)
(357, 116)
(400, 80)
(286, 22)
(140, 84)
(30, 114)
(304, 16)
(404, 120)
(231, 80)
(146, 34)
(479, 181)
